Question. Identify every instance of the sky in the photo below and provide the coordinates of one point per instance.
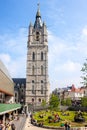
(66, 22)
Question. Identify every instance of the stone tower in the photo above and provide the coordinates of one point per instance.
(37, 84)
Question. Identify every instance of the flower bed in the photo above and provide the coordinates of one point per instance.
(53, 119)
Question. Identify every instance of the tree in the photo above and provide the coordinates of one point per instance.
(84, 70)
(68, 102)
(43, 104)
(63, 102)
(54, 101)
(84, 101)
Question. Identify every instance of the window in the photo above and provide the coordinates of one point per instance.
(41, 89)
(32, 99)
(33, 91)
(22, 90)
(41, 55)
(41, 81)
(33, 87)
(41, 70)
(32, 70)
(41, 86)
(39, 100)
(22, 85)
(37, 33)
(32, 81)
(33, 56)
(18, 85)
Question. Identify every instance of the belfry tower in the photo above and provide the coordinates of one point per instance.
(37, 84)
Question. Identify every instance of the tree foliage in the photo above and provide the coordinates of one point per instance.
(54, 101)
(43, 104)
(68, 102)
(63, 102)
(84, 101)
(84, 70)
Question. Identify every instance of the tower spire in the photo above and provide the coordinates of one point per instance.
(38, 21)
(38, 11)
(38, 5)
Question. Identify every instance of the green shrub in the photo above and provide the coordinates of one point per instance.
(50, 117)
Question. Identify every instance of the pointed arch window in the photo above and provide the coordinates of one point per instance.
(32, 99)
(33, 91)
(41, 70)
(33, 87)
(41, 81)
(32, 81)
(22, 85)
(39, 99)
(41, 55)
(33, 56)
(33, 69)
(42, 89)
(41, 86)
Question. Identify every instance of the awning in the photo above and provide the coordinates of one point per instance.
(6, 108)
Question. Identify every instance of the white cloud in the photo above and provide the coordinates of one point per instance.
(65, 60)
(68, 67)
(5, 58)
(14, 43)
(84, 31)
(17, 67)
(13, 52)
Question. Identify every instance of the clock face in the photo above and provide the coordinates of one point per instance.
(37, 36)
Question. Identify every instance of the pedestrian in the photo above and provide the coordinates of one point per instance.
(13, 126)
(2, 126)
(9, 126)
(66, 126)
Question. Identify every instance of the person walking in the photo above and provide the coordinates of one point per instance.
(13, 126)
(66, 126)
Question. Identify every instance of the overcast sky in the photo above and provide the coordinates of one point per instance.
(66, 22)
